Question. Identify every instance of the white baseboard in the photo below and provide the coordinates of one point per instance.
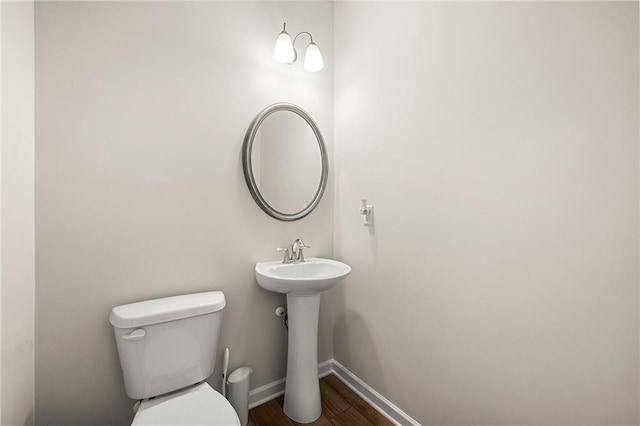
(398, 417)
(377, 401)
(325, 368)
(266, 393)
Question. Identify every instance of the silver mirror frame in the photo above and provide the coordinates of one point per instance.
(247, 166)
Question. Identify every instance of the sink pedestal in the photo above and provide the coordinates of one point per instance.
(302, 389)
(302, 283)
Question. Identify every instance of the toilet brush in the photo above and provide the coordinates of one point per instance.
(225, 365)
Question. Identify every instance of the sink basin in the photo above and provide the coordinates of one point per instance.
(300, 279)
(302, 283)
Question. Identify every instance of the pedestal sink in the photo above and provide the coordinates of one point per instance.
(302, 283)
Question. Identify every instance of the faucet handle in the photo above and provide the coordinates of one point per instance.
(299, 243)
(286, 258)
(301, 246)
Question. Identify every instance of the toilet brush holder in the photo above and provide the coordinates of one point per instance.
(238, 392)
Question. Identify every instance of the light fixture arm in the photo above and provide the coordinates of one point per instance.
(293, 43)
(299, 34)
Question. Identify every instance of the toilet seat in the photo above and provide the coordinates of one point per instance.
(197, 405)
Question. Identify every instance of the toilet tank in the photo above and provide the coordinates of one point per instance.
(167, 344)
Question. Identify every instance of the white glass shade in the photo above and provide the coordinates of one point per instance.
(283, 51)
(313, 59)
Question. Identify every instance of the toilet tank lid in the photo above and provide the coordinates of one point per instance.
(166, 309)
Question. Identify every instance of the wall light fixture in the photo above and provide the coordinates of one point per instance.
(285, 51)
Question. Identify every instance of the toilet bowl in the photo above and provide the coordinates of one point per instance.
(198, 405)
(167, 349)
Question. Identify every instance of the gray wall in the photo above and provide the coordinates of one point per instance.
(18, 240)
(498, 142)
(141, 112)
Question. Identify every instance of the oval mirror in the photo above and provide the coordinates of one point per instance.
(285, 161)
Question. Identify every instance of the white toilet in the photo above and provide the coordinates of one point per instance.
(167, 349)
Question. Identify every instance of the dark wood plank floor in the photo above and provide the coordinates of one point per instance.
(340, 407)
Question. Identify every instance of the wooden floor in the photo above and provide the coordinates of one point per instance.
(340, 406)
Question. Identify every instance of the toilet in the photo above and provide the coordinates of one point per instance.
(167, 350)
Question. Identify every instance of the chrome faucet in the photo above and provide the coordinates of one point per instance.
(296, 250)
(293, 253)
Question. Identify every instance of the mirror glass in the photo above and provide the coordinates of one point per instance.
(285, 162)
